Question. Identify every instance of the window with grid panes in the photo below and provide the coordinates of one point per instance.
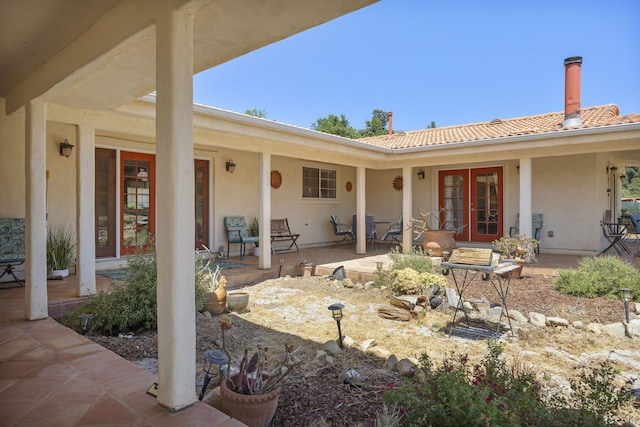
(318, 183)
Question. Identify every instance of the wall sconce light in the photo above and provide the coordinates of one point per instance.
(230, 166)
(66, 148)
(336, 311)
(420, 175)
(625, 295)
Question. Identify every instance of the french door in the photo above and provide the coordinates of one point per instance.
(137, 211)
(105, 210)
(137, 207)
(471, 203)
(202, 203)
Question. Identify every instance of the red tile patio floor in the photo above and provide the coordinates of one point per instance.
(52, 376)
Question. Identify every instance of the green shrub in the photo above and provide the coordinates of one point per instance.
(492, 393)
(598, 277)
(417, 259)
(410, 282)
(131, 304)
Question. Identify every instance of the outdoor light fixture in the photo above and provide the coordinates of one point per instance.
(213, 360)
(66, 148)
(336, 311)
(379, 266)
(625, 295)
(281, 264)
(421, 175)
(85, 322)
(230, 166)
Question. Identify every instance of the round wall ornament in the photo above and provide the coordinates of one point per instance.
(276, 179)
(348, 186)
(397, 183)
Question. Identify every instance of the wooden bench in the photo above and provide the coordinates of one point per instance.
(280, 232)
(11, 246)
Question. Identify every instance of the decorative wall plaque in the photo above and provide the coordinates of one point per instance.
(397, 183)
(276, 179)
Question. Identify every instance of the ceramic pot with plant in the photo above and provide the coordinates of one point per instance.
(213, 282)
(61, 248)
(251, 395)
(437, 239)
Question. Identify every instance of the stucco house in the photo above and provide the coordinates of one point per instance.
(159, 165)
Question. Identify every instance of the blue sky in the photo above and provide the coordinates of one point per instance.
(452, 62)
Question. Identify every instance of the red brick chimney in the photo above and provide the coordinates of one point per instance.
(572, 91)
(390, 122)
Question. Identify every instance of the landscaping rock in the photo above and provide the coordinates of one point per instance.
(367, 343)
(633, 329)
(348, 342)
(596, 328)
(537, 319)
(452, 297)
(391, 362)
(321, 358)
(432, 291)
(332, 347)
(517, 316)
(557, 321)
(614, 329)
(436, 301)
(577, 324)
(406, 368)
(495, 312)
(380, 352)
(348, 283)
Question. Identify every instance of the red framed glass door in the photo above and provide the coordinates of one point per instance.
(105, 188)
(486, 204)
(202, 203)
(137, 211)
(454, 202)
(471, 202)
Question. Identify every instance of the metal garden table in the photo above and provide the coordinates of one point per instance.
(464, 274)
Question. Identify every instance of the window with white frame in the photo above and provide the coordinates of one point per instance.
(318, 183)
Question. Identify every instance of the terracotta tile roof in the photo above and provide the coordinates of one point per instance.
(604, 115)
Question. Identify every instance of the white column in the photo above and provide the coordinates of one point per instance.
(175, 210)
(407, 209)
(36, 212)
(525, 196)
(265, 211)
(85, 209)
(361, 210)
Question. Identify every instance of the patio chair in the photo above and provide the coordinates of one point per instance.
(536, 225)
(341, 229)
(236, 227)
(394, 231)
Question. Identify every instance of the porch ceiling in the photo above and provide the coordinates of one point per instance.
(100, 54)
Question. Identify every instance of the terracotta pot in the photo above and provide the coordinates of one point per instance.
(216, 307)
(255, 410)
(437, 241)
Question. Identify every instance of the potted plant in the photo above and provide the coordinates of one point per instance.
(437, 239)
(251, 394)
(213, 283)
(520, 249)
(61, 245)
(254, 228)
